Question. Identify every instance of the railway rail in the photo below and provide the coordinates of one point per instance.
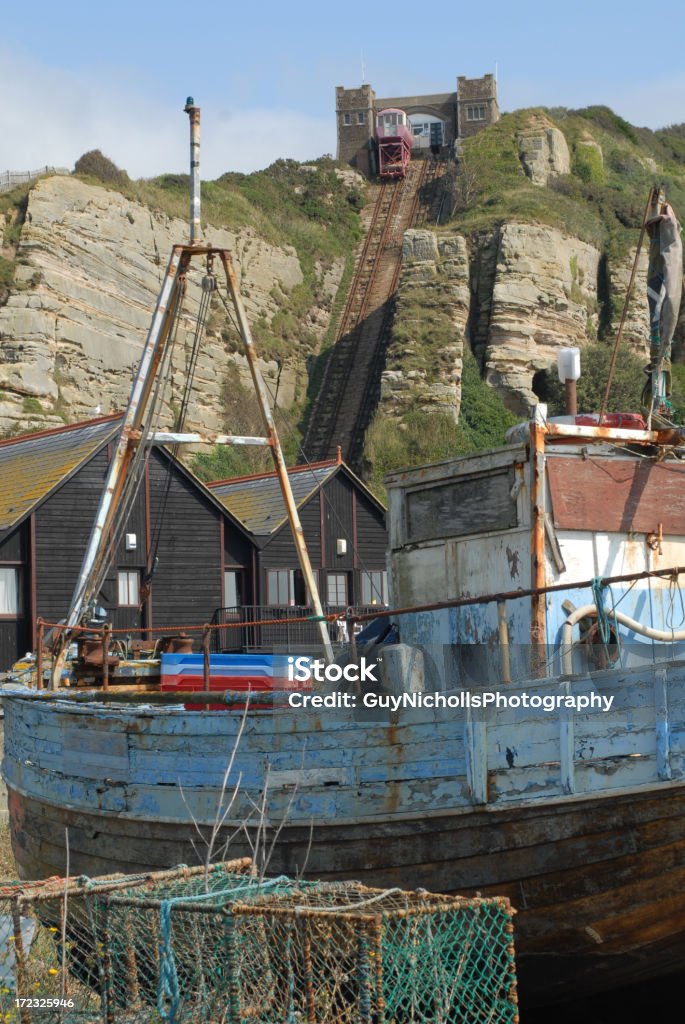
(351, 384)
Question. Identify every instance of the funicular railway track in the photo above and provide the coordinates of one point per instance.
(351, 383)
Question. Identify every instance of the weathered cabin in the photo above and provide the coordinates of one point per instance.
(188, 554)
(344, 529)
(168, 566)
(566, 502)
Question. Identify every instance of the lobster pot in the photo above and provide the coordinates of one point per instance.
(67, 957)
(342, 953)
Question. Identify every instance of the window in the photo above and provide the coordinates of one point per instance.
(128, 584)
(375, 587)
(361, 117)
(336, 588)
(231, 588)
(347, 118)
(10, 597)
(280, 586)
(475, 113)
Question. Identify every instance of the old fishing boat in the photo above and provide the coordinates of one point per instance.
(526, 738)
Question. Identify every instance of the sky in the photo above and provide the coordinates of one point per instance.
(77, 76)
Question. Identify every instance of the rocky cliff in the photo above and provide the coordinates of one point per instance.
(545, 225)
(89, 263)
(516, 294)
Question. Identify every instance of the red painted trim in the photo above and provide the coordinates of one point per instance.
(222, 565)
(265, 476)
(61, 430)
(322, 520)
(33, 597)
(355, 553)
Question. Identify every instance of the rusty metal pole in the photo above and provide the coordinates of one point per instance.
(153, 353)
(106, 637)
(571, 397)
(205, 651)
(39, 654)
(538, 608)
(277, 454)
(193, 113)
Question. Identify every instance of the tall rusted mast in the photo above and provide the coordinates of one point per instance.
(193, 113)
(135, 429)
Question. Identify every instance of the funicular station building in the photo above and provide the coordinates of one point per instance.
(437, 121)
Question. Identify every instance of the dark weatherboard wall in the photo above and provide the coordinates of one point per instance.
(181, 539)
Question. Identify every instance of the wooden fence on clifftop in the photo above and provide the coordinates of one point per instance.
(10, 179)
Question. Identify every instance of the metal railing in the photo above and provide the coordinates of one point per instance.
(10, 179)
(259, 627)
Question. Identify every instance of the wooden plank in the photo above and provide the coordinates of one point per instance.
(612, 495)
(462, 506)
(567, 749)
(476, 749)
(663, 740)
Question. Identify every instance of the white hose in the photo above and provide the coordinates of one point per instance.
(662, 635)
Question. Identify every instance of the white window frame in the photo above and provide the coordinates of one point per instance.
(128, 588)
(284, 580)
(374, 586)
(334, 578)
(10, 591)
(347, 119)
(232, 594)
(361, 117)
(475, 113)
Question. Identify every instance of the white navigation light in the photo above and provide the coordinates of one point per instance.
(568, 364)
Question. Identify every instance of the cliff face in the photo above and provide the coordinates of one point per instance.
(424, 359)
(89, 267)
(517, 294)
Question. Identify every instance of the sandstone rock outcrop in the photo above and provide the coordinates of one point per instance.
(90, 263)
(543, 150)
(522, 292)
(424, 359)
(544, 297)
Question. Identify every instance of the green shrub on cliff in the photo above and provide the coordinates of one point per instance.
(421, 437)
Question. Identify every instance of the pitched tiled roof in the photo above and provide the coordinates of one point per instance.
(257, 501)
(31, 466)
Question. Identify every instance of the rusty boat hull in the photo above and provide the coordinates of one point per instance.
(597, 876)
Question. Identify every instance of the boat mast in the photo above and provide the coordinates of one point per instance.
(135, 427)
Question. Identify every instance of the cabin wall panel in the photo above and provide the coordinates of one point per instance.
(338, 522)
(14, 545)
(62, 527)
(372, 537)
(280, 552)
(187, 584)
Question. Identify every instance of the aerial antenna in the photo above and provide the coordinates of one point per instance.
(363, 68)
(496, 66)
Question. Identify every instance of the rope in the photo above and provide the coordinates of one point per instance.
(350, 907)
(191, 366)
(168, 988)
(673, 589)
(604, 619)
